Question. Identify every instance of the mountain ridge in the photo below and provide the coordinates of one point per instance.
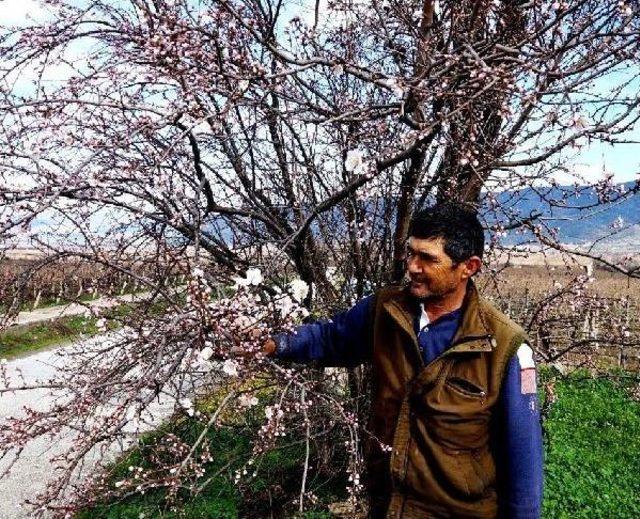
(577, 215)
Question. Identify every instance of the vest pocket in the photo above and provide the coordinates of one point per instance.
(465, 388)
(462, 474)
(475, 472)
(456, 415)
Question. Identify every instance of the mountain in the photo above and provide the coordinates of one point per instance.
(580, 216)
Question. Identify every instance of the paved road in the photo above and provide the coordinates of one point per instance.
(30, 473)
(56, 312)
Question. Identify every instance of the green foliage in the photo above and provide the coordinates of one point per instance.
(592, 460)
(592, 437)
(274, 486)
(26, 339)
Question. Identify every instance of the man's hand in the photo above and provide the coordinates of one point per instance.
(269, 347)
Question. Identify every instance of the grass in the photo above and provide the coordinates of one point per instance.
(219, 499)
(31, 338)
(593, 450)
(274, 486)
(22, 340)
(592, 463)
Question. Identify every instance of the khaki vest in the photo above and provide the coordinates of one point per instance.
(430, 454)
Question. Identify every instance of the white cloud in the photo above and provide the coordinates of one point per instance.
(21, 12)
(583, 173)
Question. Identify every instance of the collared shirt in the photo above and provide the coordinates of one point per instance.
(517, 435)
(435, 337)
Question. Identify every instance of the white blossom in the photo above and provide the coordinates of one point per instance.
(240, 282)
(243, 86)
(299, 289)
(580, 121)
(268, 412)
(243, 321)
(187, 405)
(285, 305)
(254, 276)
(230, 367)
(206, 353)
(248, 400)
(354, 161)
(273, 411)
(332, 275)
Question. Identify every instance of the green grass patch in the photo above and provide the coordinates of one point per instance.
(592, 465)
(34, 337)
(22, 340)
(271, 483)
(592, 442)
(219, 499)
(31, 338)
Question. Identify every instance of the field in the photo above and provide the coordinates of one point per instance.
(592, 441)
(586, 332)
(28, 282)
(572, 319)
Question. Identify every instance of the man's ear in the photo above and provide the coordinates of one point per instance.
(471, 266)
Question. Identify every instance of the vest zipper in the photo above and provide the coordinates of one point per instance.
(410, 332)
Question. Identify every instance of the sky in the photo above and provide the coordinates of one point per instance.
(18, 11)
(593, 162)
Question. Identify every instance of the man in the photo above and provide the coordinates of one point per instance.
(455, 426)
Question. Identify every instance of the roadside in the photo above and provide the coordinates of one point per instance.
(20, 341)
(37, 330)
(34, 351)
(72, 309)
(30, 473)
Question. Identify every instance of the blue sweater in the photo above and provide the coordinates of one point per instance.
(517, 435)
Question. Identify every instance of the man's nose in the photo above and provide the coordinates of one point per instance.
(413, 266)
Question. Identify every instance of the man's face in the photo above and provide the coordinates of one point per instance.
(432, 273)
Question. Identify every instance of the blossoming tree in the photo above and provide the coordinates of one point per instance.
(206, 139)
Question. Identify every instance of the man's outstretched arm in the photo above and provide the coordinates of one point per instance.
(520, 450)
(340, 341)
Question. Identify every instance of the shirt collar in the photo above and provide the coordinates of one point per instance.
(424, 318)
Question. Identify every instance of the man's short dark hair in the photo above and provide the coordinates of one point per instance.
(456, 224)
